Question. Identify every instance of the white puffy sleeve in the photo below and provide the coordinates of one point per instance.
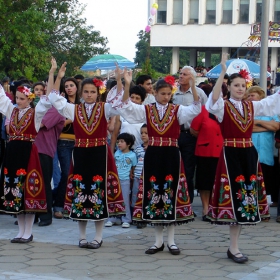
(61, 105)
(6, 106)
(187, 113)
(40, 110)
(216, 108)
(268, 106)
(133, 113)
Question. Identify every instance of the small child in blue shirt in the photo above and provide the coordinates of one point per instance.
(125, 161)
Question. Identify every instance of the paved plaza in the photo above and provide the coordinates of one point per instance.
(54, 254)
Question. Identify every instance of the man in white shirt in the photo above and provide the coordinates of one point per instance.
(187, 142)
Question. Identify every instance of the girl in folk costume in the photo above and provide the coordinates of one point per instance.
(22, 188)
(239, 196)
(93, 192)
(163, 196)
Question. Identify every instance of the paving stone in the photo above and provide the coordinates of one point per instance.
(14, 259)
(55, 255)
(42, 261)
(79, 266)
(206, 273)
(74, 253)
(43, 255)
(237, 275)
(42, 269)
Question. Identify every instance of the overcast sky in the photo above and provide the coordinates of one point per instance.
(119, 21)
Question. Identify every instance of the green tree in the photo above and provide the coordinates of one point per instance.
(33, 30)
(70, 38)
(23, 49)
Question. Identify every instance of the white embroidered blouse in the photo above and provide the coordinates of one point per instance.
(268, 106)
(135, 113)
(68, 110)
(7, 107)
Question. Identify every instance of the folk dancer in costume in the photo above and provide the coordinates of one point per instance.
(93, 191)
(22, 190)
(239, 196)
(163, 197)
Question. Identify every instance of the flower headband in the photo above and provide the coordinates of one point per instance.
(99, 84)
(171, 80)
(26, 91)
(246, 75)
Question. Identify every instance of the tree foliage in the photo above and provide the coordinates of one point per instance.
(70, 39)
(33, 30)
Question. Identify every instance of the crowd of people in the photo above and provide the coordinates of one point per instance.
(134, 151)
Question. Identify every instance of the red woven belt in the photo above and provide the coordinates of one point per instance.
(238, 142)
(163, 142)
(85, 143)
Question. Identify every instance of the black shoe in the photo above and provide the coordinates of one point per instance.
(205, 219)
(94, 244)
(45, 223)
(236, 259)
(83, 244)
(174, 250)
(23, 240)
(194, 214)
(154, 249)
(15, 240)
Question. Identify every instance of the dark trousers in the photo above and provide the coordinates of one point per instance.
(271, 180)
(64, 152)
(187, 144)
(47, 169)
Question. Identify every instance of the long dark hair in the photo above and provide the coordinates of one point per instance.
(77, 97)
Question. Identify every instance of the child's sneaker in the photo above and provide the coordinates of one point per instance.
(125, 225)
(108, 224)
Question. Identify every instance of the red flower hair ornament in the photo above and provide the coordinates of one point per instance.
(246, 75)
(171, 80)
(99, 84)
(26, 91)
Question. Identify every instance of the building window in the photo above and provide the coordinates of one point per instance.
(259, 11)
(210, 11)
(244, 11)
(194, 8)
(178, 11)
(277, 10)
(162, 8)
(227, 11)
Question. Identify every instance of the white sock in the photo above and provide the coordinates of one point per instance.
(170, 234)
(98, 230)
(159, 236)
(234, 232)
(82, 229)
(21, 225)
(29, 221)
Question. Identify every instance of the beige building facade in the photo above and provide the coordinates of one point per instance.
(211, 26)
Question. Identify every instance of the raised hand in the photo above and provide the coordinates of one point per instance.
(224, 60)
(127, 75)
(62, 70)
(118, 72)
(192, 81)
(54, 65)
